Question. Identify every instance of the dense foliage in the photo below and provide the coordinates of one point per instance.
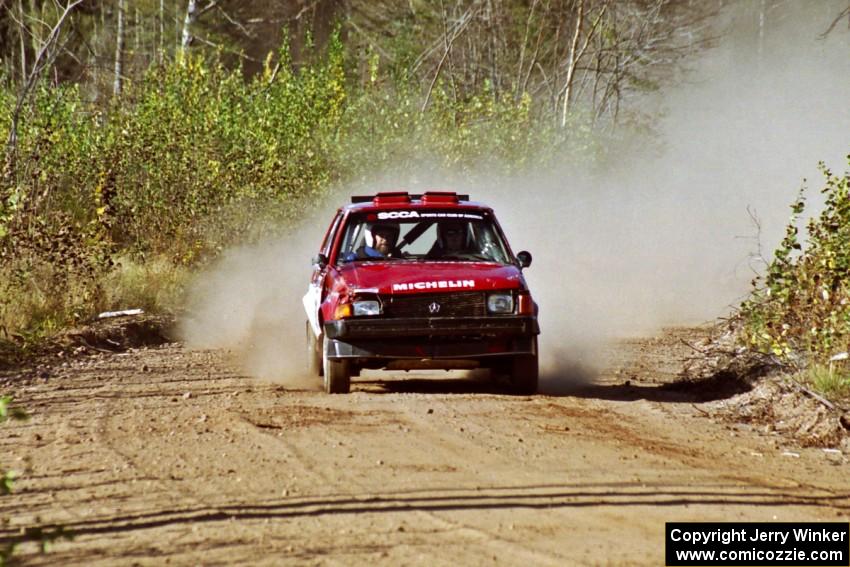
(192, 158)
(800, 312)
(151, 136)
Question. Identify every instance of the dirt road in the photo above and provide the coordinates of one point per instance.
(162, 455)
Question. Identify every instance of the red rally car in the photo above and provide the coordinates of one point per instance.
(406, 282)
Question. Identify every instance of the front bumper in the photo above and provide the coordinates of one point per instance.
(431, 338)
(389, 329)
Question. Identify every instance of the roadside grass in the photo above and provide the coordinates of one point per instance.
(37, 300)
(155, 285)
(832, 381)
(42, 300)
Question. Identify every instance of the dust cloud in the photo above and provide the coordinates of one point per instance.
(651, 238)
(249, 303)
(669, 237)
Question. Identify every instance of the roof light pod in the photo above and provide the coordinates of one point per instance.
(440, 198)
(392, 198)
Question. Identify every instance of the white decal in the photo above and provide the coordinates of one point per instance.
(388, 215)
(441, 284)
(398, 215)
(450, 216)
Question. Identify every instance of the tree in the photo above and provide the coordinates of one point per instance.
(46, 54)
(587, 54)
(119, 50)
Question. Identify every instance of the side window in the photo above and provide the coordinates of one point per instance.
(329, 236)
(351, 240)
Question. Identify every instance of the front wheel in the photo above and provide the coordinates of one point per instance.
(524, 373)
(314, 353)
(337, 375)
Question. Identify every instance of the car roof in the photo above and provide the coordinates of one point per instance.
(404, 200)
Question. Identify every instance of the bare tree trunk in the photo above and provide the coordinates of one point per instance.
(119, 50)
(137, 37)
(436, 76)
(448, 43)
(534, 60)
(448, 49)
(161, 30)
(571, 63)
(22, 30)
(493, 48)
(597, 75)
(617, 93)
(575, 56)
(188, 22)
(556, 41)
(35, 28)
(519, 73)
(177, 30)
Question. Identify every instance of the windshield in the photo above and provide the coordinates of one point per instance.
(423, 235)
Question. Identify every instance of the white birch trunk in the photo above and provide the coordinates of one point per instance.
(119, 50)
(161, 30)
(188, 22)
(571, 64)
(22, 29)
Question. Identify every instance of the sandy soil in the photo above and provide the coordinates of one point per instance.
(162, 455)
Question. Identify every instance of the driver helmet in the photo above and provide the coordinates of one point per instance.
(391, 228)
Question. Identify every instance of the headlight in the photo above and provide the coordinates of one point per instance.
(366, 308)
(500, 303)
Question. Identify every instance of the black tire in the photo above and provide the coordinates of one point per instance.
(524, 373)
(314, 353)
(337, 375)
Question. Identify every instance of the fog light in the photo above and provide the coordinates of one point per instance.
(342, 311)
(500, 303)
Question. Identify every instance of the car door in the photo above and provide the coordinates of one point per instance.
(316, 290)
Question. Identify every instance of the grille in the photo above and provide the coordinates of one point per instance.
(463, 304)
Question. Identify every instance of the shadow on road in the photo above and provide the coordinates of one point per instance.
(576, 382)
(433, 386)
(520, 497)
(721, 386)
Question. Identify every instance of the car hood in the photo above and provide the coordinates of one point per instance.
(399, 276)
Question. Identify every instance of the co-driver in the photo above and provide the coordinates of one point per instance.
(451, 240)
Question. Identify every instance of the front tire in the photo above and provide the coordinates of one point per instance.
(337, 375)
(314, 353)
(525, 373)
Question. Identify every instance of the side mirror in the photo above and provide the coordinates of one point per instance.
(320, 260)
(524, 259)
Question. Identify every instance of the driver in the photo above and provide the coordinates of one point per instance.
(380, 243)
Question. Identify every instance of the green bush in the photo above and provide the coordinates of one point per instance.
(800, 312)
(193, 158)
